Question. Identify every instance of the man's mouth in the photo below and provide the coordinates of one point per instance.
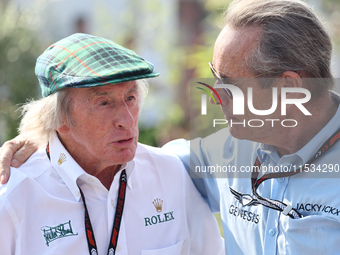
(123, 142)
(228, 118)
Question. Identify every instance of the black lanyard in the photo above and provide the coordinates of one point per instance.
(91, 241)
(275, 204)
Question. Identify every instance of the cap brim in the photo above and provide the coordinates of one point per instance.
(115, 81)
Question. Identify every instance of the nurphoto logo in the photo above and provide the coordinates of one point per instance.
(238, 104)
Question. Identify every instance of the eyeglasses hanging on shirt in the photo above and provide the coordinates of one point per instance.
(288, 210)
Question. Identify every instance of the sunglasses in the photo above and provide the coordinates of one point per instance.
(220, 78)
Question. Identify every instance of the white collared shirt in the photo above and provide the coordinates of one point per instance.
(41, 210)
(256, 229)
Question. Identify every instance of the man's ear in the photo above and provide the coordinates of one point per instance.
(292, 79)
(295, 89)
(63, 129)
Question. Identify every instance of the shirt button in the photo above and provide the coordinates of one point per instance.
(119, 248)
(281, 179)
(91, 179)
(112, 203)
(129, 182)
(77, 193)
(272, 232)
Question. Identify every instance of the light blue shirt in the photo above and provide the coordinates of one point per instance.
(256, 229)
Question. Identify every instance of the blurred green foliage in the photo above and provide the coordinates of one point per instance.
(19, 49)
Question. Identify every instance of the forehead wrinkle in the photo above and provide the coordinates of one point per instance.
(233, 47)
(93, 92)
(225, 78)
(133, 89)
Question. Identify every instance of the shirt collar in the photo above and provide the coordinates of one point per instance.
(267, 150)
(70, 171)
(309, 150)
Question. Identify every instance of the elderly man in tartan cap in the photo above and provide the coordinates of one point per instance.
(92, 189)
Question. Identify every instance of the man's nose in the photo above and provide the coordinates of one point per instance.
(211, 100)
(222, 94)
(124, 118)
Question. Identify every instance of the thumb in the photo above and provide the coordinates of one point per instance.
(9, 155)
(6, 154)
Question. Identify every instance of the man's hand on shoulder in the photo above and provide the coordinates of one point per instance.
(14, 153)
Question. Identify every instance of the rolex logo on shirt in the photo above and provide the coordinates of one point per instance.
(158, 203)
(159, 218)
(62, 158)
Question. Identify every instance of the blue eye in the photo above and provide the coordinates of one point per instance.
(130, 98)
(104, 103)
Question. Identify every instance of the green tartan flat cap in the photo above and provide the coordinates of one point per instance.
(83, 60)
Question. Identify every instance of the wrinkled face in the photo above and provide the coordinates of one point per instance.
(105, 129)
(231, 48)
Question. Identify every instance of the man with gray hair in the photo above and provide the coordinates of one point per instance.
(283, 196)
(289, 204)
(93, 189)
